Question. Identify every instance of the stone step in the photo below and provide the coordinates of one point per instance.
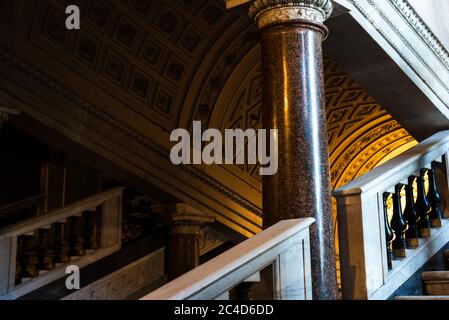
(422, 298)
(436, 283)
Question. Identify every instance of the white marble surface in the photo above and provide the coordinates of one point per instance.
(434, 13)
(216, 277)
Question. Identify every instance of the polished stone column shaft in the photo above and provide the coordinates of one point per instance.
(183, 250)
(294, 103)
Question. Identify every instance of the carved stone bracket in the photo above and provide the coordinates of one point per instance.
(210, 239)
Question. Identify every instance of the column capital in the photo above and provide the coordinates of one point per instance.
(275, 12)
(183, 218)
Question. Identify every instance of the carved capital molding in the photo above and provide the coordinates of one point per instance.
(275, 12)
(182, 218)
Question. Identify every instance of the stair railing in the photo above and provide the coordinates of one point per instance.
(284, 246)
(24, 208)
(79, 233)
(389, 223)
(36, 201)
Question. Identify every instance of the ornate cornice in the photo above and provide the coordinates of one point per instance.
(413, 19)
(421, 28)
(275, 12)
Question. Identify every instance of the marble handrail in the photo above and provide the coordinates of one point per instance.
(361, 222)
(286, 244)
(35, 200)
(59, 214)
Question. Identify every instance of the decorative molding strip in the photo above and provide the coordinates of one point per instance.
(126, 281)
(407, 43)
(397, 47)
(110, 120)
(421, 28)
(313, 10)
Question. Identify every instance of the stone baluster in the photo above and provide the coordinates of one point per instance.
(57, 243)
(73, 237)
(89, 242)
(411, 216)
(398, 224)
(41, 252)
(242, 290)
(442, 184)
(389, 235)
(24, 256)
(423, 207)
(433, 196)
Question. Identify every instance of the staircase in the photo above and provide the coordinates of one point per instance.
(36, 251)
(393, 220)
(435, 284)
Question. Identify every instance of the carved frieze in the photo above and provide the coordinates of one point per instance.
(122, 283)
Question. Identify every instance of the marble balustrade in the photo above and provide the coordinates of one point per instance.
(107, 207)
(286, 245)
(365, 273)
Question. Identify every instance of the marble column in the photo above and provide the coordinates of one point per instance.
(294, 103)
(183, 252)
